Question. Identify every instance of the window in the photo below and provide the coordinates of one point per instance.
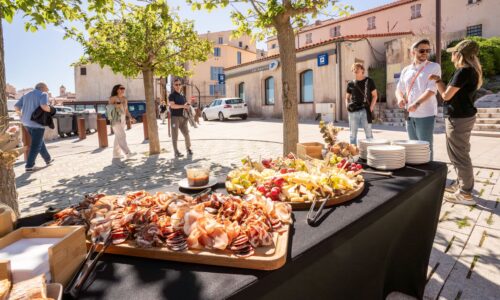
(309, 38)
(273, 46)
(335, 31)
(101, 108)
(215, 71)
(476, 30)
(220, 40)
(217, 90)
(473, 1)
(415, 11)
(83, 71)
(238, 58)
(79, 107)
(234, 101)
(241, 90)
(217, 52)
(240, 44)
(269, 91)
(306, 87)
(371, 23)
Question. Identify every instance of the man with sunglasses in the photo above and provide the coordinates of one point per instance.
(177, 103)
(417, 94)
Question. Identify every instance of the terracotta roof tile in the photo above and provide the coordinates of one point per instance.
(329, 41)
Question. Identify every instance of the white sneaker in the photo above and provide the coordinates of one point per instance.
(460, 198)
(130, 155)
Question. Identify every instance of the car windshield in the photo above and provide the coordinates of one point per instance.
(234, 101)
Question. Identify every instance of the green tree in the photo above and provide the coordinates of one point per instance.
(281, 18)
(150, 39)
(38, 14)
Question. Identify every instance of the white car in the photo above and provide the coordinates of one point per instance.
(64, 109)
(225, 108)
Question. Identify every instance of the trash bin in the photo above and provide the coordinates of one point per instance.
(92, 122)
(64, 123)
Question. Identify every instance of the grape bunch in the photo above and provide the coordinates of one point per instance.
(349, 166)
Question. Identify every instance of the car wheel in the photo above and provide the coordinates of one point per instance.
(244, 117)
(204, 117)
(221, 117)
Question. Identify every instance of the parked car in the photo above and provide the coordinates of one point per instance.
(64, 109)
(11, 109)
(225, 108)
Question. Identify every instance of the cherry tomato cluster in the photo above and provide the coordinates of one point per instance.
(272, 188)
(349, 166)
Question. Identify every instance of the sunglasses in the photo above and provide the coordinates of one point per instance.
(177, 84)
(122, 88)
(422, 51)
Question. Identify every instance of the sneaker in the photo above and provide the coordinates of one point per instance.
(460, 198)
(130, 155)
(49, 162)
(32, 169)
(452, 188)
(189, 152)
(178, 154)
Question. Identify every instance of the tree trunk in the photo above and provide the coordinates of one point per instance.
(286, 41)
(154, 141)
(8, 193)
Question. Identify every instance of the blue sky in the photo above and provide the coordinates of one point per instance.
(45, 56)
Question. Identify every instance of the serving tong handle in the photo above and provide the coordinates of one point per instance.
(313, 216)
(86, 268)
(388, 174)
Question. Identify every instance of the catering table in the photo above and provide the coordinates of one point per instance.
(365, 249)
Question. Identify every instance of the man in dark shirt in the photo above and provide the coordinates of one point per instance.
(177, 103)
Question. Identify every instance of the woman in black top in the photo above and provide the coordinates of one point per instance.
(459, 98)
(361, 98)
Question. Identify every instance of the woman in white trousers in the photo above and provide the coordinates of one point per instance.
(120, 102)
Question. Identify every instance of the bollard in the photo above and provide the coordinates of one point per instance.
(102, 133)
(26, 141)
(129, 124)
(82, 132)
(145, 127)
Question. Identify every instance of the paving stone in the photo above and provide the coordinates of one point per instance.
(460, 218)
(492, 175)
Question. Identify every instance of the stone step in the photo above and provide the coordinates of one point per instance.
(488, 121)
(492, 134)
(488, 115)
(394, 120)
(394, 111)
(487, 127)
(491, 110)
(396, 124)
(394, 115)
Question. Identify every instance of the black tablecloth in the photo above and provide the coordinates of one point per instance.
(364, 249)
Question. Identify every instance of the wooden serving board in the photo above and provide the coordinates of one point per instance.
(333, 201)
(264, 258)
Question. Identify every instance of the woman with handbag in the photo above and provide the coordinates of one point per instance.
(117, 109)
(459, 97)
(360, 100)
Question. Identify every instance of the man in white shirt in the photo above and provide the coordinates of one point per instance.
(417, 93)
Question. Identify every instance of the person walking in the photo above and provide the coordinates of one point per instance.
(163, 111)
(361, 98)
(117, 112)
(25, 107)
(417, 93)
(177, 103)
(459, 97)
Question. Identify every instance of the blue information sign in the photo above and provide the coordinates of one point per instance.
(222, 78)
(322, 59)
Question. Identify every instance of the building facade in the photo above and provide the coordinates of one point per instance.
(323, 70)
(203, 85)
(459, 18)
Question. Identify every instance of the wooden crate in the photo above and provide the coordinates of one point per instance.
(64, 257)
(6, 225)
(306, 150)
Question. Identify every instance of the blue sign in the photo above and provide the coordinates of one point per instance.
(322, 59)
(222, 78)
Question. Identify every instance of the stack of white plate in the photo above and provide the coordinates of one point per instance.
(363, 144)
(417, 152)
(386, 157)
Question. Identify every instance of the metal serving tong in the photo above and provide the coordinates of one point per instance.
(388, 174)
(313, 216)
(87, 266)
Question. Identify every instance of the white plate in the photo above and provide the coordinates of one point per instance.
(410, 143)
(386, 148)
(184, 184)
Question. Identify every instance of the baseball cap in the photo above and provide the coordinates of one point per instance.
(465, 47)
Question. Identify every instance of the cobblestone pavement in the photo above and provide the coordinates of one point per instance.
(465, 261)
